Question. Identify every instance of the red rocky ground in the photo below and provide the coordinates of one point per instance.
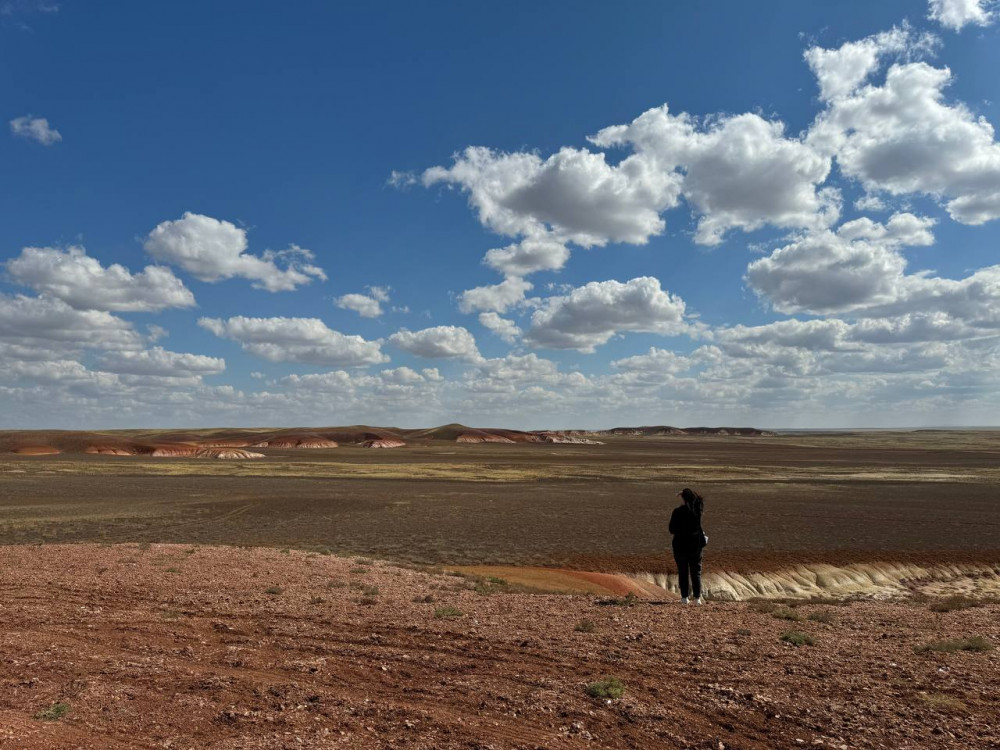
(181, 647)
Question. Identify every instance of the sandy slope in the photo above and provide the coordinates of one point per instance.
(176, 647)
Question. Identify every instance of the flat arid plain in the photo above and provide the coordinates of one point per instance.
(372, 587)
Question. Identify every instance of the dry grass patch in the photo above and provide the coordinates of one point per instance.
(976, 644)
(448, 613)
(942, 702)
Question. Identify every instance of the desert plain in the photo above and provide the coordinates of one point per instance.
(451, 587)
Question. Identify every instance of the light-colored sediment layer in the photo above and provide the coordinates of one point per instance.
(875, 579)
(565, 581)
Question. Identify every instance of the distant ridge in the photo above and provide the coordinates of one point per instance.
(233, 441)
(665, 430)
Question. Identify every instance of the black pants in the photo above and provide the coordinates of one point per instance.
(688, 559)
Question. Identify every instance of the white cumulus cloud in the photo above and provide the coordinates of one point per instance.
(902, 137)
(305, 340)
(213, 250)
(495, 297)
(81, 281)
(956, 14)
(590, 315)
(158, 362)
(506, 329)
(439, 342)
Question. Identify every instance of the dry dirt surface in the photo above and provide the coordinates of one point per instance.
(170, 646)
(772, 502)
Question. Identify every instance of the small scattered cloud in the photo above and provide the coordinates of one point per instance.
(35, 129)
(957, 14)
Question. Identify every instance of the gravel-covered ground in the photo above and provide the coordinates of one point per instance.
(181, 647)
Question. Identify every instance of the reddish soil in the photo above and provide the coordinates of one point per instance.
(179, 647)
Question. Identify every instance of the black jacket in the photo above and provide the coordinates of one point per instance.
(685, 525)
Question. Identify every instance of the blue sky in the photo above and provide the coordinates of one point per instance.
(238, 213)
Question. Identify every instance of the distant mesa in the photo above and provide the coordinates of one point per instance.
(36, 450)
(568, 438)
(110, 450)
(481, 436)
(383, 443)
(313, 441)
(228, 454)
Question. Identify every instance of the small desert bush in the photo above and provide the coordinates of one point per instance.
(317, 600)
(764, 606)
(171, 614)
(286, 551)
(821, 615)
(743, 631)
(975, 643)
(585, 626)
(274, 590)
(358, 571)
(609, 687)
(629, 600)
(798, 638)
(335, 584)
(953, 603)
(368, 601)
(54, 712)
(784, 613)
(429, 599)
(447, 613)
(370, 590)
(363, 561)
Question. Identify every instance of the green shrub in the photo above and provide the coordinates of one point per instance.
(54, 712)
(274, 590)
(976, 643)
(609, 687)
(585, 626)
(798, 638)
(447, 613)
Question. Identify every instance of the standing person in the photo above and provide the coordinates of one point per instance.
(689, 541)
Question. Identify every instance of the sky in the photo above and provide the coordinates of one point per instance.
(528, 215)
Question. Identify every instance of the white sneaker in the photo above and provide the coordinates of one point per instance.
(699, 600)
(685, 600)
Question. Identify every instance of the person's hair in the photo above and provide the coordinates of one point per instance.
(693, 500)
